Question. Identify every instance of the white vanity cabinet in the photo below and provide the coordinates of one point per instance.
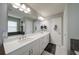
(29, 49)
(34, 47)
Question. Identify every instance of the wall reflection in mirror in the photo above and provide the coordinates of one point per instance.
(20, 19)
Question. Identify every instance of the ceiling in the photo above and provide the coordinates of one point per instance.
(18, 14)
(47, 9)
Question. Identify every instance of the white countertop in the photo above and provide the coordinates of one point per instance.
(16, 44)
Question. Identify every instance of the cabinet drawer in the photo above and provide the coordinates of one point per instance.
(21, 51)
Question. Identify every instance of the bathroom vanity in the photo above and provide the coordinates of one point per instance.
(24, 36)
(33, 44)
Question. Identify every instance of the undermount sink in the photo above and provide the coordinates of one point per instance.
(25, 38)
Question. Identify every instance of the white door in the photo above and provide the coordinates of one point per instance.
(56, 30)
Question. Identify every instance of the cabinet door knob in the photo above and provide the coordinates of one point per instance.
(31, 52)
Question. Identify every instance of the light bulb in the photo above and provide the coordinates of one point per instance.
(20, 9)
(23, 6)
(40, 18)
(16, 5)
(26, 11)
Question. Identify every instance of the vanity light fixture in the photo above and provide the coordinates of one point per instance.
(40, 18)
(21, 7)
(28, 9)
(16, 5)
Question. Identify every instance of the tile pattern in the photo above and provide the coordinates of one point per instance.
(51, 48)
(46, 53)
(72, 52)
(74, 45)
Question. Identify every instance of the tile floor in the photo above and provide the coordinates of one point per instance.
(46, 53)
(50, 49)
(53, 49)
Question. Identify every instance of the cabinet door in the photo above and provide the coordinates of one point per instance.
(43, 43)
(46, 40)
(35, 47)
(27, 50)
(21, 51)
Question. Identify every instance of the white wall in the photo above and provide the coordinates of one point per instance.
(56, 36)
(38, 25)
(28, 26)
(65, 29)
(73, 10)
(3, 22)
(71, 24)
(61, 49)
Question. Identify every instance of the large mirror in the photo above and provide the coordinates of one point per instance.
(20, 21)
